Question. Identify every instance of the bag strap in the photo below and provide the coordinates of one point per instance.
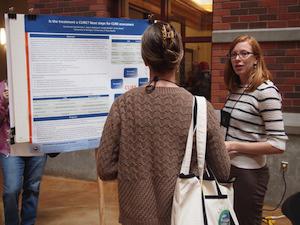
(201, 133)
(200, 138)
(186, 162)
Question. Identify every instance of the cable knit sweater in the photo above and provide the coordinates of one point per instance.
(143, 144)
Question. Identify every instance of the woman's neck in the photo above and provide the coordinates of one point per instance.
(244, 79)
(165, 80)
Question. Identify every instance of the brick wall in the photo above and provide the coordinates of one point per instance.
(93, 8)
(283, 58)
(251, 14)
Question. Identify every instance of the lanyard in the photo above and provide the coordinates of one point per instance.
(226, 116)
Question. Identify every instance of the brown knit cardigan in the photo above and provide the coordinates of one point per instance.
(143, 144)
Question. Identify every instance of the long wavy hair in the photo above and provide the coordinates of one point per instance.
(259, 74)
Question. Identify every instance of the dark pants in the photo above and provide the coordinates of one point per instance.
(249, 191)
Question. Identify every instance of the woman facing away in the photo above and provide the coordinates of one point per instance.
(145, 134)
(254, 126)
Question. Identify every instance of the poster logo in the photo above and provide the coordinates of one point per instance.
(130, 72)
(116, 83)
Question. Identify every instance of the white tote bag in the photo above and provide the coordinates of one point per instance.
(197, 201)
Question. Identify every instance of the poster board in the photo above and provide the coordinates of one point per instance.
(65, 72)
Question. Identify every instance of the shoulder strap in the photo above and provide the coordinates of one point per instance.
(185, 166)
(201, 133)
(201, 124)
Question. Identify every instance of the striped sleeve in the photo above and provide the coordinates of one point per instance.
(269, 103)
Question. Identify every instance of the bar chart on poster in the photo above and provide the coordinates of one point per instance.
(64, 74)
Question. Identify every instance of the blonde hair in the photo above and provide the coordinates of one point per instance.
(259, 74)
(162, 47)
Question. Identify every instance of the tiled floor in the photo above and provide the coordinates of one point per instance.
(75, 202)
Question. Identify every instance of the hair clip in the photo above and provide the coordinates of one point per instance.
(170, 34)
(164, 32)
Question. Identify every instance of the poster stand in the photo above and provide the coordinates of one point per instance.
(101, 200)
(88, 34)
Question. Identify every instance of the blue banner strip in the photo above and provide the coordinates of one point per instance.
(70, 97)
(67, 36)
(85, 25)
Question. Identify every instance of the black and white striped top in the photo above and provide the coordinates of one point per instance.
(255, 117)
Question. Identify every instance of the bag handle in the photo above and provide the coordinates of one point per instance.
(211, 176)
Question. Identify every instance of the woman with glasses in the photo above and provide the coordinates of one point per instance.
(253, 121)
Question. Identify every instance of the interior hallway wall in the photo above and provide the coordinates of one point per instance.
(276, 183)
(78, 165)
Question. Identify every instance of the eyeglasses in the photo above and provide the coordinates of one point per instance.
(242, 54)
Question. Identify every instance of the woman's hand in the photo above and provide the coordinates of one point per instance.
(230, 146)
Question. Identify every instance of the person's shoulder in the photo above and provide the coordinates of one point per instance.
(267, 85)
(211, 111)
(209, 105)
(134, 92)
(267, 89)
(184, 91)
(210, 108)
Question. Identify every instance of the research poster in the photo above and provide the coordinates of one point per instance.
(75, 68)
